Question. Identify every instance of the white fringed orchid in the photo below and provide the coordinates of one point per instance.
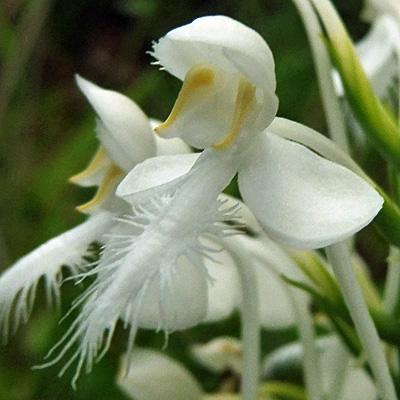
(127, 138)
(153, 272)
(226, 103)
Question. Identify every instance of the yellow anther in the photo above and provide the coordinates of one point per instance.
(244, 101)
(196, 80)
(101, 159)
(110, 182)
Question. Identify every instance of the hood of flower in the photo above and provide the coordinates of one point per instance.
(229, 80)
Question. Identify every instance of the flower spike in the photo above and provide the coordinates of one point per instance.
(154, 269)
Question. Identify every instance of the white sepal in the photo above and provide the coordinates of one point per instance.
(335, 359)
(123, 129)
(341, 377)
(219, 40)
(301, 199)
(154, 174)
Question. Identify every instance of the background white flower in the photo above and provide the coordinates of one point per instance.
(121, 125)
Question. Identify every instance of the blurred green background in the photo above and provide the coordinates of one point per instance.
(47, 134)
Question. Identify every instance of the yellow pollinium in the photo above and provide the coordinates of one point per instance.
(107, 188)
(203, 82)
(244, 102)
(196, 84)
(100, 160)
(112, 175)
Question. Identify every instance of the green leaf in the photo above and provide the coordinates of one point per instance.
(387, 222)
(336, 310)
(312, 267)
(285, 390)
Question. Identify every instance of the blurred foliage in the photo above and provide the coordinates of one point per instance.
(47, 134)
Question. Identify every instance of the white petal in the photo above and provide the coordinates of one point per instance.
(141, 281)
(153, 375)
(301, 199)
(220, 354)
(124, 129)
(154, 172)
(224, 291)
(219, 40)
(377, 53)
(276, 310)
(169, 146)
(178, 297)
(20, 281)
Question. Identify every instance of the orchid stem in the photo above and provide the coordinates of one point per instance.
(250, 318)
(323, 65)
(339, 257)
(250, 331)
(311, 363)
(391, 298)
(304, 320)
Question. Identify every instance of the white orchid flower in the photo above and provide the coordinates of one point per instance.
(226, 103)
(153, 375)
(152, 271)
(219, 354)
(127, 138)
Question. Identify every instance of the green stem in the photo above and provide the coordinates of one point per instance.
(339, 370)
(339, 257)
(391, 298)
(250, 332)
(323, 65)
(377, 122)
(251, 336)
(311, 364)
